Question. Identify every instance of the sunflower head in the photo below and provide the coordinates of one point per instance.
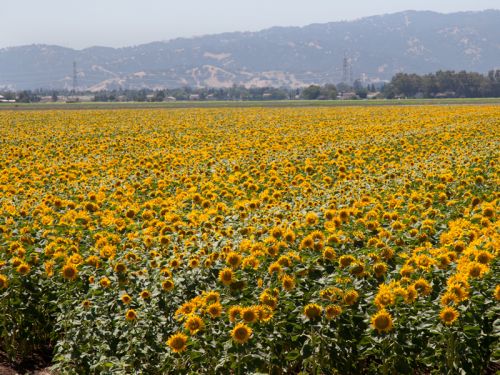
(177, 342)
(382, 321)
(241, 333)
(194, 324)
(313, 311)
(69, 271)
(131, 315)
(167, 285)
(448, 315)
(226, 276)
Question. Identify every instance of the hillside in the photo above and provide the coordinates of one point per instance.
(377, 47)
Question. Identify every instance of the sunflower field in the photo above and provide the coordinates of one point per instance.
(247, 240)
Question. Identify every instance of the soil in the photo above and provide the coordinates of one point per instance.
(36, 366)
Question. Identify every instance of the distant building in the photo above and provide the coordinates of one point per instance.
(347, 96)
(3, 100)
(194, 97)
(170, 99)
(373, 95)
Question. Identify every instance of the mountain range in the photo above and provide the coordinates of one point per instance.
(372, 49)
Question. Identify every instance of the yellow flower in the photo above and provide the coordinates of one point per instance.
(423, 287)
(126, 299)
(167, 285)
(4, 281)
(288, 282)
(497, 292)
(385, 297)
(194, 324)
(145, 294)
(313, 311)
(241, 333)
(120, 267)
(332, 311)
(105, 282)
(234, 312)
(329, 253)
(448, 315)
(311, 218)
(233, 259)
(177, 342)
(249, 314)
(382, 321)
(214, 310)
(380, 269)
(351, 297)
(23, 268)
(69, 271)
(131, 315)
(226, 276)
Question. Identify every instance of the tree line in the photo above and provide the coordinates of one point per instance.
(444, 84)
(441, 84)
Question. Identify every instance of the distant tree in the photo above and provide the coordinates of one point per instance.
(344, 87)
(159, 96)
(54, 96)
(27, 96)
(328, 92)
(311, 93)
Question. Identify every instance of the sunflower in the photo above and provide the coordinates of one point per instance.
(423, 287)
(145, 294)
(226, 276)
(131, 315)
(411, 294)
(329, 253)
(332, 311)
(69, 271)
(497, 292)
(351, 297)
(448, 315)
(311, 218)
(194, 324)
(384, 297)
(312, 311)
(234, 312)
(126, 299)
(249, 314)
(167, 285)
(288, 282)
(380, 268)
(214, 310)
(346, 260)
(382, 321)
(233, 259)
(241, 333)
(23, 268)
(477, 270)
(289, 236)
(86, 304)
(177, 342)
(105, 282)
(120, 267)
(4, 281)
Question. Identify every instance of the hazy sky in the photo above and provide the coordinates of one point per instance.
(118, 23)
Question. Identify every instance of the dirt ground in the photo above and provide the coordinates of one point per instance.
(4, 370)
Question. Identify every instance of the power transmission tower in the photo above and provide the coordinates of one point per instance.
(75, 83)
(347, 70)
